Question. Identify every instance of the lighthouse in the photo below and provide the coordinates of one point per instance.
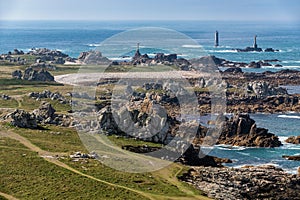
(255, 42)
(216, 39)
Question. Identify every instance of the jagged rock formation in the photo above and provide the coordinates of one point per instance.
(46, 94)
(45, 114)
(33, 75)
(21, 119)
(241, 130)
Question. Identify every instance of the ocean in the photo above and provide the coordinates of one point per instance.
(73, 37)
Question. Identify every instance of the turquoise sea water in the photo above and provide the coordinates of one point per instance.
(283, 125)
(73, 37)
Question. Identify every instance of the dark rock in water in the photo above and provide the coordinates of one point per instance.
(293, 140)
(250, 49)
(278, 65)
(93, 57)
(271, 50)
(272, 60)
(22, 119)
(241, 130)
(254, 65)
(295, 158)
(234, 70)
(17, 74)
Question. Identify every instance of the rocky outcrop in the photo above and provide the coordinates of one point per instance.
(241, 130)
(33, 75)
(265, 182)
(206, 63)
(93, 57)
(17, 74)
(21, 119)
(293, 140)
(5, 97)
(45, 114)
(250, 49)
(124, 121)
(47, 52)
(46, 94)
(16, 52)
(233, 70)
(263, 89)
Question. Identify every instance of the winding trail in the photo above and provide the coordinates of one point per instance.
(7, 196)
(50, 157)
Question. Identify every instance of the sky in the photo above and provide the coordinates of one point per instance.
(251, 10)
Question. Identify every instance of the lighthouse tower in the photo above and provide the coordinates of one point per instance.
(255, 42)
(216, 39)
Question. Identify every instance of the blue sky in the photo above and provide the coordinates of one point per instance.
(286, 10)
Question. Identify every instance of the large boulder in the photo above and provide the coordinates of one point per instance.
(22, 119)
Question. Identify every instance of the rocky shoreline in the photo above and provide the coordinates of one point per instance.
(264, 182)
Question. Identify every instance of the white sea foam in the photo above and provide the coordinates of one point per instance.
(223, 51)
(230, 148)
(94, 45)
(289, 116)
(191, 46)
(245, 154)
(121, 59)
(282, 138)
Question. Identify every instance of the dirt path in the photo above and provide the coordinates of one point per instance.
(7, 196)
